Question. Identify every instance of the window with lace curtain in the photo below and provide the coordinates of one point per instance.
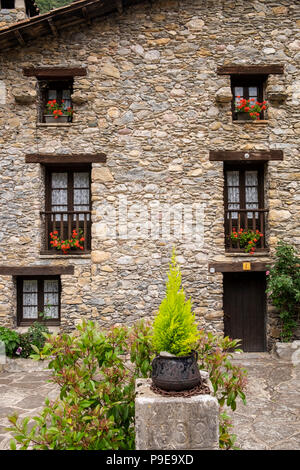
(38, 299)
(244, 201)
(68, 205)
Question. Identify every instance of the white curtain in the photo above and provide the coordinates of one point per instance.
(51, 300)
(30, 299)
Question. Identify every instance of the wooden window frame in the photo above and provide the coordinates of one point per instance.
(70, 170)
(246, 81)
(40, 279)
(58, 84)
(242, 168)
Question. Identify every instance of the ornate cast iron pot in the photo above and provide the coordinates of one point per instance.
(176, 373)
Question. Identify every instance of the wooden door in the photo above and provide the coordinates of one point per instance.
(245, 309)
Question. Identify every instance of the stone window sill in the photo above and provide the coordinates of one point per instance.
(68, 256)
(59, 124)
(255, 123)
(244, 255)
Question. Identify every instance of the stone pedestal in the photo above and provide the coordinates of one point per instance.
(173, 423)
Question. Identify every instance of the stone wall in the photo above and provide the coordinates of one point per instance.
(8, 16)
(149, 101)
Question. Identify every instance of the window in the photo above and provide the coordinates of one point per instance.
(59, 93)
(38, 299)
(7, 4)
(249, 87)
(68, 204)
(244, 201)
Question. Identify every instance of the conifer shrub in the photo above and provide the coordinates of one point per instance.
(175, 328)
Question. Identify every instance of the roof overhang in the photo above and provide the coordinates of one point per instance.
(55, 21)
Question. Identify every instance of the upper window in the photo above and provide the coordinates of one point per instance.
(38, 299)
(55, 101)
(244, 203)
(249, 91)
(7, 4)
(68, 210)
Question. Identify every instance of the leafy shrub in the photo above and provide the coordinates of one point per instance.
(11, 340)
(96, 373)
(283, 286)
(96, 377)
(37, 334)
(228, 380)
(24, 349)
(175, 328)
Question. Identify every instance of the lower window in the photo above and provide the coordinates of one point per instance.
(38, 300)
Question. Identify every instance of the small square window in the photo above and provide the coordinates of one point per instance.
(55, 101)
(38, 299)
(250, 88)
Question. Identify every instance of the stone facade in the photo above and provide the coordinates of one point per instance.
(10, 16)
(153, 102)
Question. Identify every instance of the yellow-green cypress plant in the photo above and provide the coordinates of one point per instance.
(174, 328)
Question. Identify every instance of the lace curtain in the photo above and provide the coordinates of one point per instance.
(30, 299)
(234, 196)
(81, 193)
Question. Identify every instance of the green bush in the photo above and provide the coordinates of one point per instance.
(283, 287)
(11, 340)
(175, 328)
(37, 334)
(96, 372)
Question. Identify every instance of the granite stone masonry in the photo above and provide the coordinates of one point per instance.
(153, 102)
(173, 423)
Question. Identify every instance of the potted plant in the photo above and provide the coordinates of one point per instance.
(174, 336)
(247, 239)
(248, 110)
(75, 242)
(57, 112)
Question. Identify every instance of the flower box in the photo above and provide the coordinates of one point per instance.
(244, 117)
(49, 118)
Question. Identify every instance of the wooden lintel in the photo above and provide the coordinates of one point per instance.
(53, 27)
(245, 155)
(19, 38)
(54, 72)
(36, 270)
(236, 267)
(65, 159)
(250, 69)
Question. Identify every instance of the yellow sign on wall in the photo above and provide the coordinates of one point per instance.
(246, 266)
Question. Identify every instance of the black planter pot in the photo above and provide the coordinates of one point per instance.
(176, 373)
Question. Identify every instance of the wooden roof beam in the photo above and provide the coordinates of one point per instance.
(85, 15)
(19, 38)
(53, 27)
(119, 6)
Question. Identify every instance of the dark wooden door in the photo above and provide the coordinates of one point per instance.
(245, 309)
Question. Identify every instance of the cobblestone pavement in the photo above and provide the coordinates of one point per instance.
(271, 418)
(269, 421)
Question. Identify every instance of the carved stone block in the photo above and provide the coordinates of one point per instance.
(174, 423)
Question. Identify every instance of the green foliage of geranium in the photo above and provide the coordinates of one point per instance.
(283, 287)
(175, 328)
